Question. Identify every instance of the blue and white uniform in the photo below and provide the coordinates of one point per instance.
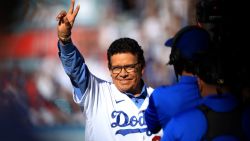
(110, 114)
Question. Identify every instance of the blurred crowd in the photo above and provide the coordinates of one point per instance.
(38, 98)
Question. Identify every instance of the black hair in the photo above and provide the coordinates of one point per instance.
(210, 68)
(178, 60)
(126, 45)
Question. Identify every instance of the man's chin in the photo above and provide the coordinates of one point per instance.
(124, 90)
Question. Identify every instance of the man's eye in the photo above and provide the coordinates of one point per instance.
(113, 68)
(129, 67)
(116, 68)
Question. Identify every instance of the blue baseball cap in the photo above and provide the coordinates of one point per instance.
(190, 40)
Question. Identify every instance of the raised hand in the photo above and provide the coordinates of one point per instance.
(66, 22)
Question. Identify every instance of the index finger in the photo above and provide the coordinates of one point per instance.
(71, 8)
(76, 10)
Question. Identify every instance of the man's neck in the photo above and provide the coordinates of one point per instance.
(137, 92)
(187, 73)
(213, 90)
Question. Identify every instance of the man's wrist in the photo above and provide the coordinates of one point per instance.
(65, 40)
(64, 37)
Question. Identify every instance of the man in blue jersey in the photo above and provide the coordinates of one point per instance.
(220, 117)
(113, 110)
(167, 101)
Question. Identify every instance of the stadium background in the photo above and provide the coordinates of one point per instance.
(32, 81)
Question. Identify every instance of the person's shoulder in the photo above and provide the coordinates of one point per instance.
(167, 96)
(165, 90)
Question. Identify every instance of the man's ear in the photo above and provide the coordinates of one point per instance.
(142, 70)
(200, 84)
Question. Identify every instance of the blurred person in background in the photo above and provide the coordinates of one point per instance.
(225, 26)
(113, 111)
(168, 101)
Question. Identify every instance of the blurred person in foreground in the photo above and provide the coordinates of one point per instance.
(113, 111)
(220, 116)
(223, 24)
(168, 101)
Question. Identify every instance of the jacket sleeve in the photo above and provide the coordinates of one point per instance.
(151, 117)
(75, 67)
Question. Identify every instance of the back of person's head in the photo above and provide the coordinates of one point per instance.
(210, 68)
(214, 68)
(126, 45)
(187, 46)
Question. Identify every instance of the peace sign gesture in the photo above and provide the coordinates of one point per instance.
(66, 22)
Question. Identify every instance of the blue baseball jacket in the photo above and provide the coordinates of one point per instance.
(167, 101)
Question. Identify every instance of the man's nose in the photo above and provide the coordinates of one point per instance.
(123, 72)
